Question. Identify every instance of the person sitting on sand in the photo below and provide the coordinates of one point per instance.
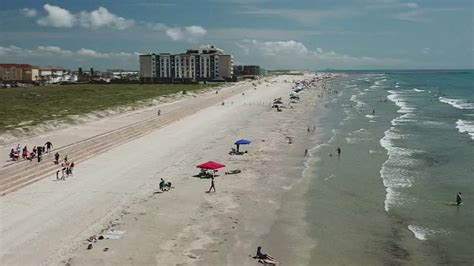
(32, 156)
(13, 155)
(165, 186)
(260, 255)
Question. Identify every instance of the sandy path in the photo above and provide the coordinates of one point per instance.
(47, 222)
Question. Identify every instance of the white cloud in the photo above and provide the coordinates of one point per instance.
(412, 15)
(103, 18)
(304, 16)
(48, 51)
(53, 50)
(189, 33)
(10, 50)
(411, 5)
(99, 18)
(426, 51)
(57, 17)
(29, 12)
(279, 48)
(293, 54)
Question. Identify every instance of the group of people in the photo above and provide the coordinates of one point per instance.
(37, 152)
(66, 168)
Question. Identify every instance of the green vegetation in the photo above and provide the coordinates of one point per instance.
(34, 105)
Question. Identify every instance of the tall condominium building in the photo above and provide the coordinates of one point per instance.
(207, 63)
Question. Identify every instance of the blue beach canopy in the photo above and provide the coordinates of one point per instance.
(242, 142)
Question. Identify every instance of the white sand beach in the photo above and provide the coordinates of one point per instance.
(48, 222)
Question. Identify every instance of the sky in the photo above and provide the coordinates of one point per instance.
(275, 34)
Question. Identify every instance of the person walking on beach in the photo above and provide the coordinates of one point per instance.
(40, 153)
(458, 199)
(212, 185)
(338, 151)
(48, 146)
(305, 152)
(56, 158)
(158, 112)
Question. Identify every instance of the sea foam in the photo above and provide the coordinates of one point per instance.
(420, 232)
(465, 126)
(458, 103)
(395, 171)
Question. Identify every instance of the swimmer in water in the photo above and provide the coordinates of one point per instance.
(458, 199)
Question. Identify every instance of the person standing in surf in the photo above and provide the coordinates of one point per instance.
(458, 199)
(338, 151)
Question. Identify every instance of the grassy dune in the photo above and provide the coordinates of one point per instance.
(34, 105)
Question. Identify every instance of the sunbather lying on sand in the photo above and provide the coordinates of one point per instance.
(265, 259)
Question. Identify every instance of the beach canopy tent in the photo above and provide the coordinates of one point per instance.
(241, 142)
(211, 165)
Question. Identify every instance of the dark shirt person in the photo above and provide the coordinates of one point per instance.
(40, 153)
(56, 158)
(48, 146)
(459, 199)
(260, 254)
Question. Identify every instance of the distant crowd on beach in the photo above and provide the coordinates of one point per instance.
(66, 167)
(36, 153)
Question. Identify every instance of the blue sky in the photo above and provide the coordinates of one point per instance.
(306, 34)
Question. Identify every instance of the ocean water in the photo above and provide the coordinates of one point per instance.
(407, 141)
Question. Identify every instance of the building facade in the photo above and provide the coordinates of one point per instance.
(207, 63)
(19, 72)
(245, 71)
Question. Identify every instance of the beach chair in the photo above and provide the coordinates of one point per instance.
(233, 172)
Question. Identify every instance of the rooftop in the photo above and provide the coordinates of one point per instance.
(16, 65)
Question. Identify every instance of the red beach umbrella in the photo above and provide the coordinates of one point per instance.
(210, 165)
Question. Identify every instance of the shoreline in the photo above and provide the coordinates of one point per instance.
(194, 227)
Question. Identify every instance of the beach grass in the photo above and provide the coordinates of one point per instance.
(35, 105)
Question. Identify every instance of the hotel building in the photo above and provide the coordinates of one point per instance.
(207, 63)
(19, 72)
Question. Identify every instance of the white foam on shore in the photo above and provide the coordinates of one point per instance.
(403, 119)
(417, 90)
(394, 171)
(462, 104)
(465, 126)
(395, 96)
(379, 82)
(434, 123)
(420, 232)
(358, 136)
(358, 102)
